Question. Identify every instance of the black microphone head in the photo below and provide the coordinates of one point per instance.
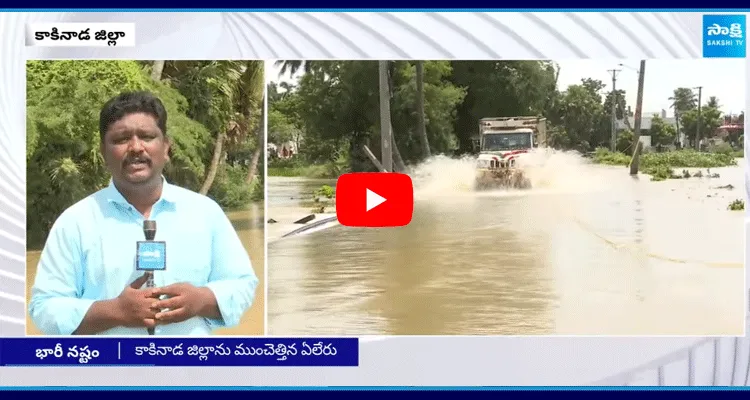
(149, 229)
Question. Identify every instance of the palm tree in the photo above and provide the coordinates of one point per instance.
(251, 89)
(294, 66)
(713, 102)
(683, 100)
(227, 98)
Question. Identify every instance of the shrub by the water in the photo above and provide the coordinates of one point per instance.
(661, 165)
(737, 205)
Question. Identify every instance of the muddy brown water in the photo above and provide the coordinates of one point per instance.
(589, 250)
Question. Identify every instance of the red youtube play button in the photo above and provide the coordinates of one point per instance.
(378, 199)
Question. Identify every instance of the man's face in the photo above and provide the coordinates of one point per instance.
(135, 149)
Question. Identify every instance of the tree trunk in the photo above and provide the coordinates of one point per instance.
(677, 125)
(256, 158)
(261, 143)
(156, 70)
(214, 167)
(399, 165)
(420, 111)
(384, 103)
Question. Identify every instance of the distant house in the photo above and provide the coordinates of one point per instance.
(283, 150)
(646, 119)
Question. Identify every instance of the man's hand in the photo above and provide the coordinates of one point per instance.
(134, 305)
(185, 301)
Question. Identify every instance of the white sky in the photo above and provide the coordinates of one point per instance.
(724, 79)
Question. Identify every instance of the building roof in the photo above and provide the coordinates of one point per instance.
(645, 122)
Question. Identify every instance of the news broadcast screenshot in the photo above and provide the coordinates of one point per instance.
(367, 199)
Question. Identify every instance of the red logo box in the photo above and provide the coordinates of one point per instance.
(375, 200)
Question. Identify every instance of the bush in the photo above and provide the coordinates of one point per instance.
(230, 189)
(737, 205)
(604, 156)
(325, 191)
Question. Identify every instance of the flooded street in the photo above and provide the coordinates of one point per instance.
(589, 250)
(249, 226)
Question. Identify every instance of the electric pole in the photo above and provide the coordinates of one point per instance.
(613, 139)
(386, 156)
(634, 162)
(698, 122)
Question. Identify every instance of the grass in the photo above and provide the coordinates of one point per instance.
(294, 168)
(661, 166)
(309, 171)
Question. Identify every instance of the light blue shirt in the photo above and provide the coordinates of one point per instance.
(90, 256)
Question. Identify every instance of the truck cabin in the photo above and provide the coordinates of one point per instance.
(508, 140)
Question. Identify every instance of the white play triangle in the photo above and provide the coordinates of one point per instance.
(373, 200)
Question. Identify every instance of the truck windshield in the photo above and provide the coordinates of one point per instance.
(506, 141)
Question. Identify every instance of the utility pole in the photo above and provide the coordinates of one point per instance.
(613, 139)
(386, 156)
(634, 162)
(698, 122)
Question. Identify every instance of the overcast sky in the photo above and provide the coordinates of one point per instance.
(724, 79)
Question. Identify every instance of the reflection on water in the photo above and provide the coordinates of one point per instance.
(249, 225)
(590, 250)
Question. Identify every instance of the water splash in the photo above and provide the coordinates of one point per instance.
(444, 176)
(567, 172)
(548, 170)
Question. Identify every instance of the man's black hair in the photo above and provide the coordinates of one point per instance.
(130, 103)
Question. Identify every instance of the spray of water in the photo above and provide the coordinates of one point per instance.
(548, 170)
(441, 176)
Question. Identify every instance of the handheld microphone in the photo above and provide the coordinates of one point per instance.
(149, 229)
(150, 255)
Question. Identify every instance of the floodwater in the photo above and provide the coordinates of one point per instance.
(589, 251)
(249, 225)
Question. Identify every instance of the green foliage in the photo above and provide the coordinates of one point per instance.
(323, 197)
(687, 158)
(661, 166)
(501, 89)
(441, 100)
(625, 141)
(604, 156)
(229, 188)
(723, 148)
(737, 205)
(64, 162)
(285, 163)
(661, 133)
(335, 105)
(325, 191)
(281, 128)
(710, 120)
(582, 112)
(660, 173)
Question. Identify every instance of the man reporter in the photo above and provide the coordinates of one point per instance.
(86, 282)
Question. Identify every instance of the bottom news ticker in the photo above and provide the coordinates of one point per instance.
(282, 352)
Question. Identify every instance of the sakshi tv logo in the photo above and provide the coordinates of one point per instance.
(724, 36)
(151, 253)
